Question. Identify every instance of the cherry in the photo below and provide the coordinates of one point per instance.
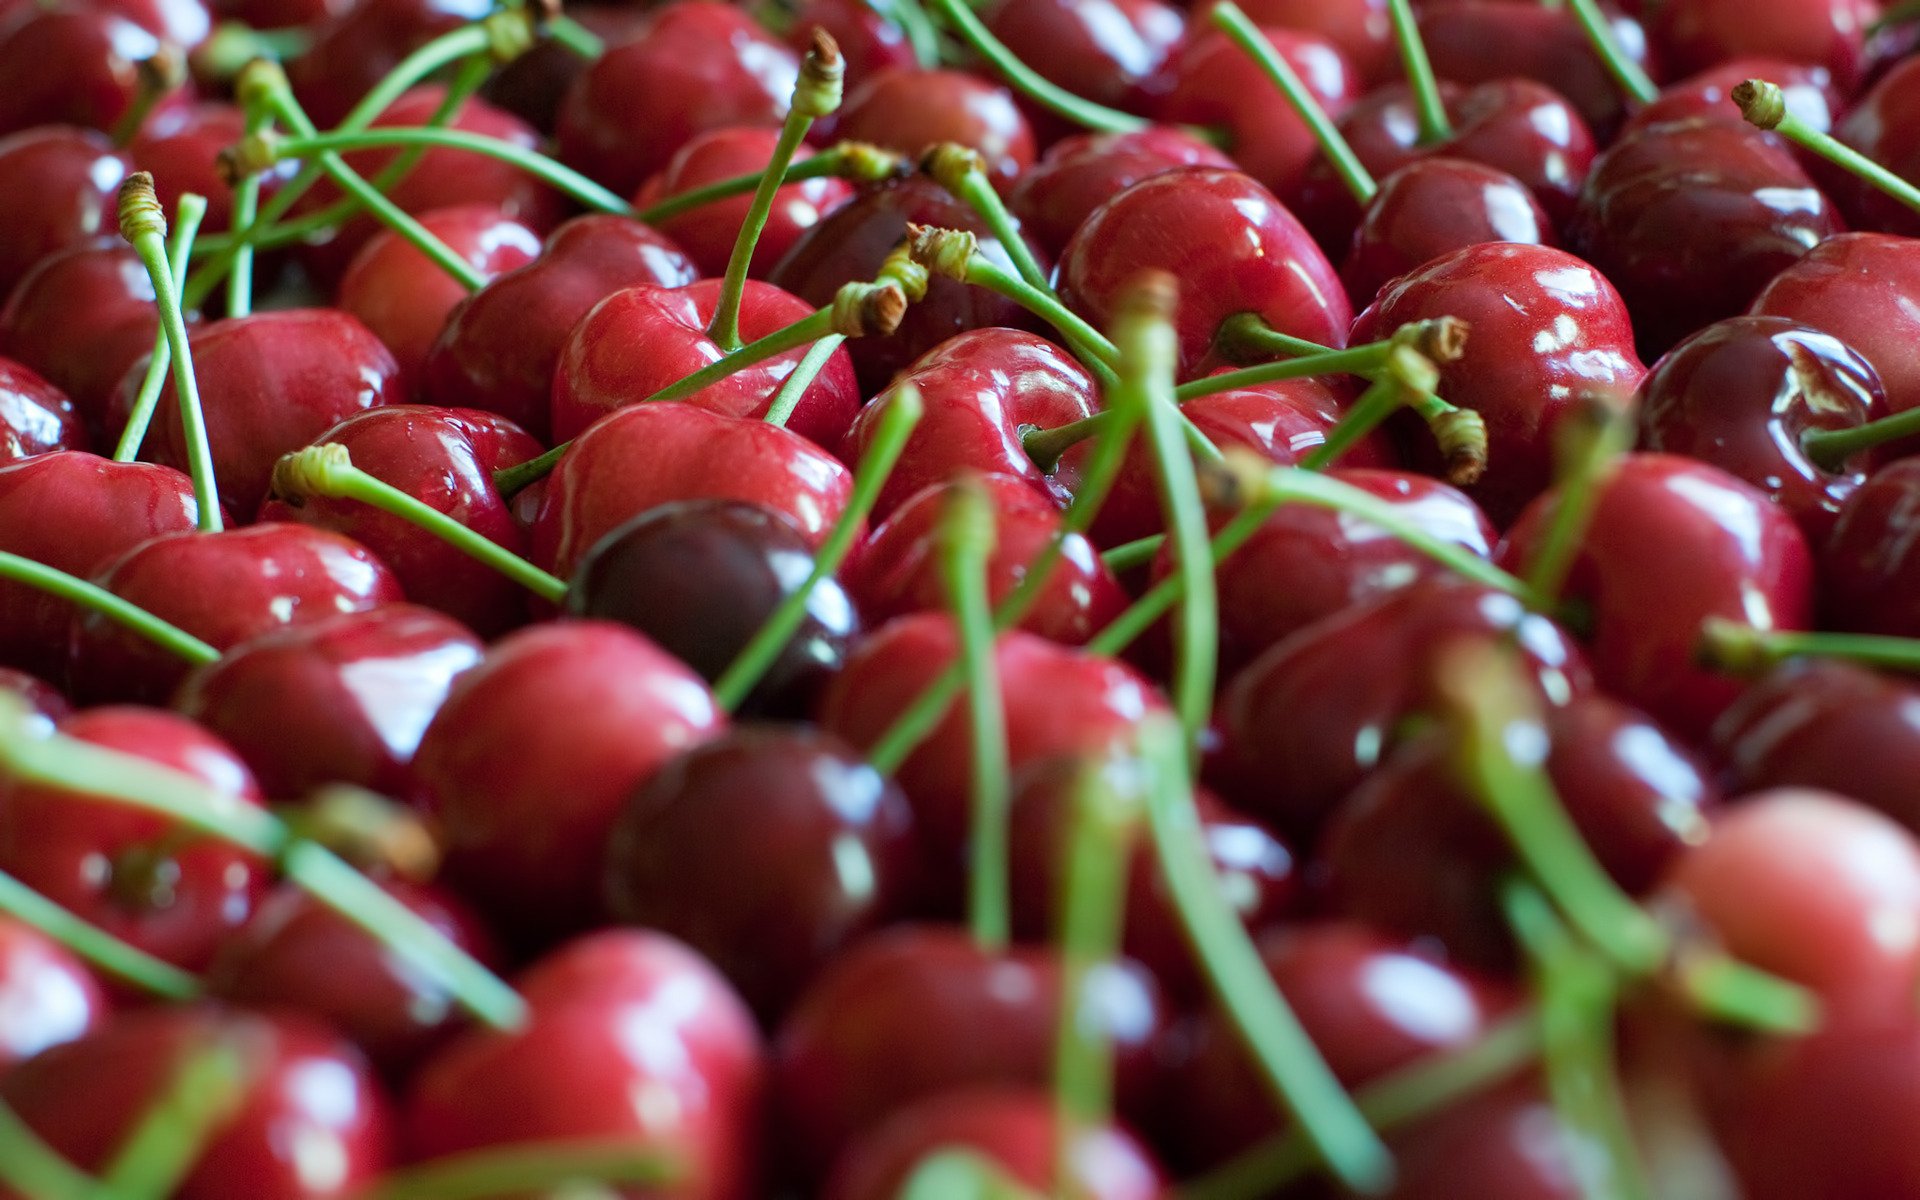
(1876, 126)
(185, 23)
(533, 85)
(648, 454)
(980, 389)
(81, 318)
(79, 513)
(57, 185)
(1113, 52)
(768, 849)
(1809, 91)
(696, 65)
(1742, 393)
(49, 996)
(645, 338)
(41, 698)
(1080, 173)
(1816, 888)
(1432, 207)
(1866, 562)
(708, 232)
(853, 241)
(140, 876)
(403, 297)
(1471, 42)
(1691, 219)
(179, 148)
(35, 416)
(1371, 1004)
(631, 1036)
(1671, 543)
(911, 109)
(297, 705)
(75, 66)
(1692, 35)
(1857, 287)
(355, 50)
(1233, 246)
(498, 348)
(870, 35)
(588, 702)
(911, 1013)
(1550, 334)
(1362, 29)
(279, 14)
(1511, 1141)
(700, 577)
(223, 588)
(309, 1121)
(297, 953)
(1016, 1129)
(1211, 81)
(1322, 708)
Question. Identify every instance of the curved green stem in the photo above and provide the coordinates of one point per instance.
(1588, 451)
(246, 209)
(895, 427)
(186, 227)
(965, 539)
(984, 272)
(561, 178)
(1831, 448)
(575, 36)
(93, 597)
(1763, 104)
(1434, 125)
(854, 161)
(796, 384)
(963, 173)
(206, 1089)
(1231, 21)
(1742, 649)
(960, 17)
(1161, 597)
(1135, 554)
(542, 1168)
(125, 962)
(1629, 75)
(36, 1170)
(1383, 397)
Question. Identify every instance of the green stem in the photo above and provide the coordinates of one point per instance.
(1383, 397)
(796, 384)
(1161, 597)
(1434, 125)
(1286, 1056)
(575, 37)
(205, 1090)
(36, 1170)
(561, 178)
(327, 470)
(895, 427)
(856, 161)
(984, 272)
(246, 209)
(125, 962)
(955, 1174)
(1741, 649)
(963, 173)
(1629, 75)
(1831, 448)
(539, 1168)
(1588, 450)
(1731, 991)
(959, 17)
(1247, 336)
(1231, 21)
(1132, 555)
(94, 598)
(186, 228)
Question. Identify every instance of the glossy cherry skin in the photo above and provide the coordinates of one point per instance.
(81, 318)
(1370, 1002)
(270, 383)
(899, 571)
(308, 1099)
(1510, 1141)
(697, 65)
(530, 758)
(1857, 287)
(707, 233)
(532, 86)
(643, 339)
(445, 457)
(138, 875)
(1362, 29)
(649, 454)
(498, 347)
(1692, 35)
(48, 994)
(77, 512)
(1814, 887)
(1432, 207)
(1879, 126)
(35, 416)
(978, 391)
(42, 700)
(1741, 394)
(911, 1013)
(1013, 1128)
(1868, 560)
(296, 952)
(302, 706)
(403, 297)
(1212, 82)
(870, 35)
(700, 578)
(617, 1019)
(1303, 723)
(57, 184)
(1810, 93)
(1078, 174)
(1692, 218)
(911, 109)
(856, 238)
(353, 51)
(179, 146)
(71, 66)
(1113, 52)
(1473, 42)
(223, 588)
(1233, 247)
(1549, 333)
(1673, 542)
(770, 850)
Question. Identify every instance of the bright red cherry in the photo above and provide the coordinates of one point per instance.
(1113, 52)
(1078, 174)
(81, 318)
(1473, 42)
(72, 65)
(708, 232)
(35, 416)
(57, 185)
(1432, 207)
(1859, 287)
(630, 1035)
(529, 760)
(911, 109)
(1362, 29)
(1692, 35)
(49, 996)
(1511, 1141)
(1810, 93)
(354, 50)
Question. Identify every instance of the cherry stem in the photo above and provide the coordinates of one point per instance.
(1741, 649)
(246, 208)
(954, 1174)
(1434, 124)
(795, 385)
(1831, 448)
(1299, 1076)
(1138, 553)
(965, 538)
(233, 44)
(854, 161)
(36, 1170)
(1247, 335)
(959, 16)
(532, 1168)
(154, 76)
(963, 173)
(1045, 447)
(327, 470)
(94, 598)
(186, 227)
(102, 950)
(1764, 105)
(144, 227)
(1230, 20)
(1578, 993)
(575, 36)
(1589, 447)
(1408, 374)
(1420, 1089)
(206, 1088)
(1162, 596)
(816, 94)
(1629, 75)
(955, 254)
(891, 434)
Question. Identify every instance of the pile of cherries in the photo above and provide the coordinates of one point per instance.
(871, 598)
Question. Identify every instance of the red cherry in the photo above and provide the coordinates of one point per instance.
(179, 146)
(279, 14)
(72, 66)
(309, 1124)
(632, 1036)
(532, 86)
(1879, 125)
(1859, 288)
(185, 23)
(708, 232)
(1080, 173)
(81, 318)
(1672, 543)
(43, 700)
(140, 876)
(1869, 558)
(1511, 1141)
(498, 348)
(1549, 333)
(1362, 29)
(530, 758)
(1113, 52)
(403, 297)
(1809, 92)
(911, 109)
(49, 996)
(1432, 207)
(1233, 246)
(697, 65)
(871, 36)
(57, 186)
(35, 416)
(1692, 35)
(223, 588)
(353, 51)
(1473, 42)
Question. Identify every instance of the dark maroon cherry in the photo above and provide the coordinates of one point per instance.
(1362, 29)
(81, 318)
(532, 86)
(1473, 42)
(1080, 173)
(1869, 561)
(911, 109)
(1880, 126)
(179, 147)
(708, 232)
(1113, 52)
(57, 186)
(1432, 207)
(35, 416)
(48, 994)
(353, 51)
(73, 65)
(1692, 35)
(869, 33)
